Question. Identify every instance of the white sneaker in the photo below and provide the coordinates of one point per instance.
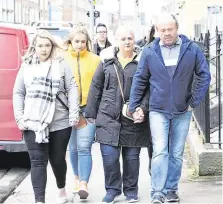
(61, 200)
(62, 196)
(76, 186)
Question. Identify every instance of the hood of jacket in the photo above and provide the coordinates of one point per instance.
(155, 43)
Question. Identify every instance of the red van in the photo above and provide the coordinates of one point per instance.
(13, 44)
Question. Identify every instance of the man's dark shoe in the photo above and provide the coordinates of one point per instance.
(172, 196)
(132, 198)
(158, 199)
(110, 198)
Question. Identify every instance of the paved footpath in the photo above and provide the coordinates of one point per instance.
(192, 189)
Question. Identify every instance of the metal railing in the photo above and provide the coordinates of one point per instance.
(208, 115)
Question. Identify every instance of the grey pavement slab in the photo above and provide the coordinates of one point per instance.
(3, 172)
(10, 181)
(193, 189)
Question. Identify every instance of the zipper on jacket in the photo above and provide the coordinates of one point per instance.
(181, 55)
(171, 78)
(163, 65)
(79, 75)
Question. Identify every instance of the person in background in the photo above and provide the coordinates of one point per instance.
(168, 65)
(83, 64)
(151, 39)
(101, 41)
(148, 38)
(116, 133)
(143, 43)
(45, 123)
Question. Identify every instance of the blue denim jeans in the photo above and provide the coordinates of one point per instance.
(80, 151)
(112, 173)
(168, 137)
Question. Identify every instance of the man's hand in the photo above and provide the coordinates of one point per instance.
(138, 115)
(91, 120)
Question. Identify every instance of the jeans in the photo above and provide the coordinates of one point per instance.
(39, 154)
(113, 178)
(168, 137)
(80, 151)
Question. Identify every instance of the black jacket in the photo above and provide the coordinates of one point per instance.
(105, 105)
(96, 49)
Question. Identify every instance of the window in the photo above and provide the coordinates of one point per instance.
(197, 30)
(9, 51)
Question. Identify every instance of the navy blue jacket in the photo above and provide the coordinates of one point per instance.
(171, 95)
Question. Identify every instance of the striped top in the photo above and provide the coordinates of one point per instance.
(170, 55)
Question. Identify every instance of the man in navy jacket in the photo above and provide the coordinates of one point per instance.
(167, 66)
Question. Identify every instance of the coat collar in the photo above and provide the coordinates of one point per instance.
(155, 46)
(110, 54)
(75, 54)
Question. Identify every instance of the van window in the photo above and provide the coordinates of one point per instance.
(9, 52)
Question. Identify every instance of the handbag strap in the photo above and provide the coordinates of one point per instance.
(62, 103)
(59, 99)
(120, 85)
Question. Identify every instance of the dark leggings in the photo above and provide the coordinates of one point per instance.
(150, 153)
(39, 154)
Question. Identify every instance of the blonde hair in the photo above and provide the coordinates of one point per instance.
(124, 29)
(79, 28)
(31, 49)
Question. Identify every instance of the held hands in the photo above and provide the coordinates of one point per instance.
(138, 115)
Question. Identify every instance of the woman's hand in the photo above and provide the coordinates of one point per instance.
(73, 123)
(91, 120)
(21, 125)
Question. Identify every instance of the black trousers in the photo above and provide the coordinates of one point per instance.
(150, 153)
(55, 152)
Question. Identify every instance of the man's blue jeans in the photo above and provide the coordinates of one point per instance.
(168, 137)
(113, 177)
(80, 151)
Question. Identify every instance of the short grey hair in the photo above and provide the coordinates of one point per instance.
(124, 28)
(166, 16)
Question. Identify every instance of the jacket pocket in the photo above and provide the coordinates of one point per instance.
(111, 81)
(108, 104)
(181, 97)
(160, 100)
